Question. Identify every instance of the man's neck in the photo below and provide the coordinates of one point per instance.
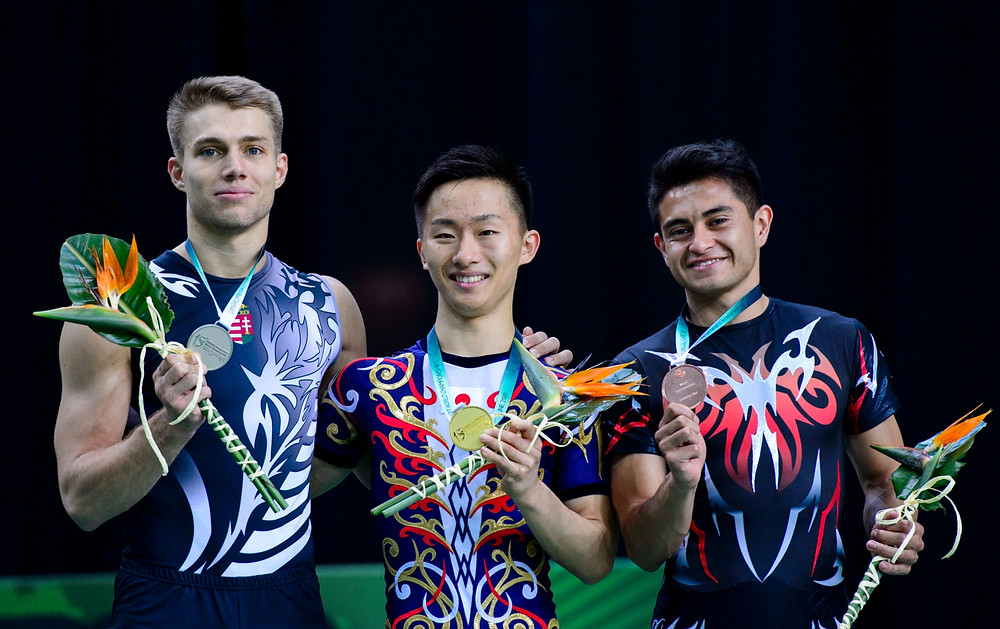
(479, 336)
(225, 256)
(703, 311)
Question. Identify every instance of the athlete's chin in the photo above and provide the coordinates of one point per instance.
(707, 288)
(469, 308)
(712, 286)
(467, 311)
(231, 224)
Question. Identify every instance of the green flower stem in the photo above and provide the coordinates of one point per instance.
(868, 583)
(430, 486)
(250, 467)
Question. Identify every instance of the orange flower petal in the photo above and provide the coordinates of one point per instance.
(131, 268)
(112, 282)
(588, 382)
(111, 265)
(603, 389)
(958, 429)
(591, 375)
(101, 275)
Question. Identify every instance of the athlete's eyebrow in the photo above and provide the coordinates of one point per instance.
(486, 217)
(444, 222)
(719, 209)
(247, 139)
(479, 218)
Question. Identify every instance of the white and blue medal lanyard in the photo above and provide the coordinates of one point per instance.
(468, 422)
(212, 341)
(686, 384)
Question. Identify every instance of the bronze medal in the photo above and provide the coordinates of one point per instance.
(467, 424)
(213, 344)
(685, 384)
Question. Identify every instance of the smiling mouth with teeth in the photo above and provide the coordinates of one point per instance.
(468, 279)
(703, 263)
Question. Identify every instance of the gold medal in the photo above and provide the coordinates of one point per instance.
(685, 384)
(467, 424)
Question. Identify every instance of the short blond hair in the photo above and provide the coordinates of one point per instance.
(233, 91)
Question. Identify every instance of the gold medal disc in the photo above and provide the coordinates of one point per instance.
(467, 424)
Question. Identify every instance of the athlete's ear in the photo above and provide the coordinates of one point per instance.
(529, 245)
(660, 245)
(176, 171)
(281, 170)
(420, 252)
(762, 224)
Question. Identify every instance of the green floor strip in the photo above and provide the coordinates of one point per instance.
(353, 595)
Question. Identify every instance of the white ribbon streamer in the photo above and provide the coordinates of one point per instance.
(905, 511)
(163, 348)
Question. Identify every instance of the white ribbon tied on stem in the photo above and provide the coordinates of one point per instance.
(905, 511)
(164, 348)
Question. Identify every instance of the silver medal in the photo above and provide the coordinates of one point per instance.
(213, 343)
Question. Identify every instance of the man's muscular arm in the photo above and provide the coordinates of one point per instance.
(654, 495)
(102, 474)
(875, 473)
(580, 534)
(354, 344)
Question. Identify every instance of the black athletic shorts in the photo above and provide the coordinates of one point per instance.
(153, 598)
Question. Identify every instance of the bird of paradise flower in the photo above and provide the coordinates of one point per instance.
(129, 308)
(563, 403)
(924, 478)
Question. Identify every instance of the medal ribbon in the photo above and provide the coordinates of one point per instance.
(227, 316)
(441, 381)
(682, 337)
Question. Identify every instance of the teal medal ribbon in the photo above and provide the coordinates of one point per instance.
(468, 422)
(212, 341)
(686, 384)
(683, 337)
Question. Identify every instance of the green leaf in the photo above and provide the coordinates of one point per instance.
(904, 481)
(106, 322)
(76, 260)
(543, 384)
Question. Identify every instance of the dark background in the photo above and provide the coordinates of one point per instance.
(874, 126)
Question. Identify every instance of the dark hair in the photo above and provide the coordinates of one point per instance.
(235, 92)
(726, 160)
(472, 161)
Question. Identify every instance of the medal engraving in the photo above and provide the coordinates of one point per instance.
(685, 385)
(467, 424)
(213, 343)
